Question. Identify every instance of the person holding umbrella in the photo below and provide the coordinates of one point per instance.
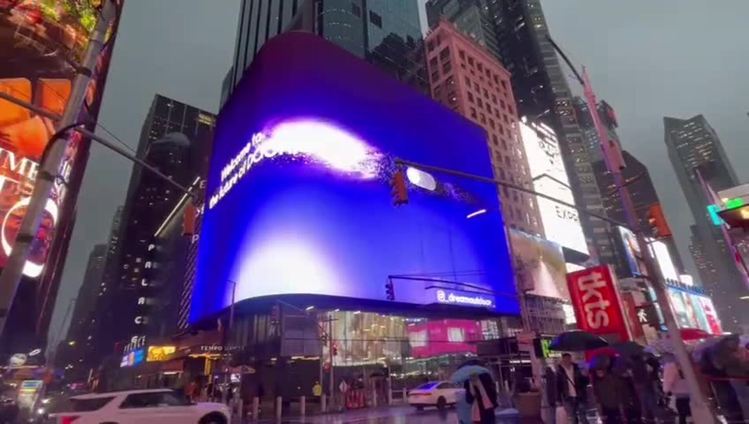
(480, 397)
(572, 387)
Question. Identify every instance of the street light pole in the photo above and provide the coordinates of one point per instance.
(13, 271)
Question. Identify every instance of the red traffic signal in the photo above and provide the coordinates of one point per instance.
(657, 221)
(400, 188)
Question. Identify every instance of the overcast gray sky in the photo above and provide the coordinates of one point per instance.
(647, 58)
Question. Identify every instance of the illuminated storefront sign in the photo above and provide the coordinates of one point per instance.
(160, 353)
(299, 195)
(561, 223)
(597, 304)
(466, 299)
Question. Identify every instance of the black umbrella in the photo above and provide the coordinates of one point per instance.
(628, 349)
(576, 341)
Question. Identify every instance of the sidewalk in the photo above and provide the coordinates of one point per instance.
(384, 415)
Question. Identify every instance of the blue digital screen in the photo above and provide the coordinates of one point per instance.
(298, 197)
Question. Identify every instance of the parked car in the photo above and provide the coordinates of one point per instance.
(435, 393)
(156, 406)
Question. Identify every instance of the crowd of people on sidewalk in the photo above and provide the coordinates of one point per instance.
(643, 388)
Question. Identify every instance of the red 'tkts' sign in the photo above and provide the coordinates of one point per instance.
(597, 305)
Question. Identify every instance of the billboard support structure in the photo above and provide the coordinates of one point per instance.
(13, 270)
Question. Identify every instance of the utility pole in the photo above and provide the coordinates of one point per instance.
(330, 353)
(700, 409)
(49, 168)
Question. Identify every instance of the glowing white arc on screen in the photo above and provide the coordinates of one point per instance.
(317, 141)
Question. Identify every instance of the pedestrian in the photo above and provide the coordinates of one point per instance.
(463, 408)
(714, 367)
(553, 410)
(645, 387)
(675, 385)
(572, 387)
(193, 389)
(481, 394)
(607, 388)
(317, 390)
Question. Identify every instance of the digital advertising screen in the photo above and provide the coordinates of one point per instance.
(561, 223)
(299, 198)
(434, 338)
(540, 266)
(42, 43)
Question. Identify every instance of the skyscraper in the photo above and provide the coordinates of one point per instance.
(643, 194)
(81, 332)
(175, 138)
(386, 33)
(697, 156)
(468, 79)
(538, 82)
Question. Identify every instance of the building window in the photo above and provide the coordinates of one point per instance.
(356, 10)
(446, 67)
(433, 62)
(470, 97)
(462, 54)
(470, 61)
(375, 19)
(494, 98)
(445, 53)
(494, 140)
(504, 85)
(436, 75)
(479, 102)
(483, 118)
(502, 104)
(473, 113)
(491, 124)
(430, 46)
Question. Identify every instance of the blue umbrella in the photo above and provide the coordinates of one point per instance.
(464, 373)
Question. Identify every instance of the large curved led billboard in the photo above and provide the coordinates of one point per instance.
(298, 196)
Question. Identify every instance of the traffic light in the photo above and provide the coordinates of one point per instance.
(657, 221)
(389, 290)
(400, 188)
(275, 315)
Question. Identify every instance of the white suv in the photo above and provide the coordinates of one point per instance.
(156, 406)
